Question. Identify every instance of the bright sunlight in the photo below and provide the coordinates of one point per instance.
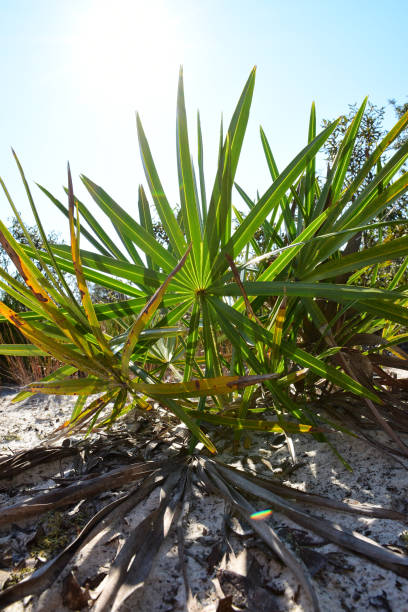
(123, 46)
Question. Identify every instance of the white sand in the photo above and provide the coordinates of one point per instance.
(346, 582)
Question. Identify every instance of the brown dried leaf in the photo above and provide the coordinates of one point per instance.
(73, 595)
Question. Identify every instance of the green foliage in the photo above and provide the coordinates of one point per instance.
(400, 110)
(201, 310)
(370, 133)
(20, 369)
(31, 235)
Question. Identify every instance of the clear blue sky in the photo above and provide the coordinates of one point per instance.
(73, 73)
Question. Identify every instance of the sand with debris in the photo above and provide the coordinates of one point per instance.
(342, 580)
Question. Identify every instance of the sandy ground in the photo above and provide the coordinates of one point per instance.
(343, 581)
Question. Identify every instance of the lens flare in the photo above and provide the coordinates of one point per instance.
(261, 515)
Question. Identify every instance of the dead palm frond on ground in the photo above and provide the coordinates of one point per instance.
(175, 477)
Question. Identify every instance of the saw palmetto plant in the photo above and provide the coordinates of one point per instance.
(211, 318)
(337, 326)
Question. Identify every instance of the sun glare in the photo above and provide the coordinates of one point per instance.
(124, 46)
